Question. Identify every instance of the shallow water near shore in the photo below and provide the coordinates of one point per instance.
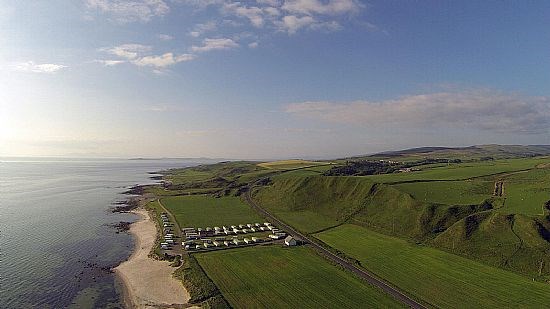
(57, 247)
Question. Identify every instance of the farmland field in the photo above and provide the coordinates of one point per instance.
(464, 192)
(462, 170)
(526, 193)
(290, 164)
(202, 210)
(276, 277)
(187, 175)
(439, 278)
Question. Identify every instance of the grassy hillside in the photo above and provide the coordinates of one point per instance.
(460, 216)
(276, 277)
(315, 202)
(468, 153)
(290, 164)
(460, 171)
(391, 211)
(514, 242)
(442, 279)
(449, 192)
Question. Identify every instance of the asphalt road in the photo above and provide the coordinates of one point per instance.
(366, 275)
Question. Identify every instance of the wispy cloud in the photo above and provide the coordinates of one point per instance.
(331, 7)
(165, 37)
(163, 61)
(162, 108)
(110, 63)
(288, 16)
(141, 55)
(476, 109)
(31, 66)
(215, 44)
(254, 14)
(128, 51)
(125, 11)
(200, 29)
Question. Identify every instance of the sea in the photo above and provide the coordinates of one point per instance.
(57, 240)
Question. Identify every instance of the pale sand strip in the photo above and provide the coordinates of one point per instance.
(149, 283)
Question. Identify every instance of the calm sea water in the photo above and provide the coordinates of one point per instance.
(55, 238)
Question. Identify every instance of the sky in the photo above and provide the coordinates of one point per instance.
(268, 79)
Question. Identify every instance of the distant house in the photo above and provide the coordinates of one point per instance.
(290, 241)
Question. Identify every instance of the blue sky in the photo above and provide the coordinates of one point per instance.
(270, 78)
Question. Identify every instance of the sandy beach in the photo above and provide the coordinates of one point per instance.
(149, 283)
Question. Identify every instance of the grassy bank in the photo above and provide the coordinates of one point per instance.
(200, 288)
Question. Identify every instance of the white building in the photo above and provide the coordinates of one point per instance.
(290, 241)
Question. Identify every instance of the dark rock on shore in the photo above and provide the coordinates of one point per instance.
(127, 206)
(135, 190)
(122, 226)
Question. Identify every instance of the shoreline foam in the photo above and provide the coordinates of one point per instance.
(149, 283)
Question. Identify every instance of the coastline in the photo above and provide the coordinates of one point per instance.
(146, 282)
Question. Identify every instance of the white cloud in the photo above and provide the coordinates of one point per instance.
(140, 55)
(165, 37)
(292, 24)
(200, 4)
(128, 51)
(254, 14)
(130, 11)
(332, 7)
(215, 44)
(200, 29)
(30, 66)
(272, 11)
(163, 61)
(110, 63)
(476, 109)
(270, 2)
(253, 45)
(288, 16)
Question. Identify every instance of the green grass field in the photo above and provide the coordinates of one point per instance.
(466, 192)
(276, 277)
(290, 164)
(526, 193)
(462, 170)
(203, 211)
(440, 278)
(187, 175)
